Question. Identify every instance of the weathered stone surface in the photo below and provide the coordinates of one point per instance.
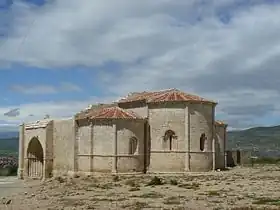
(166, 138)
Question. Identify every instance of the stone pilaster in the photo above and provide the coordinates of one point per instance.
(76, 145)
(187, 139)
(25, 170)
(21, 152)
(114, 150)
(47, 168)
(91, 147)
(214, 153)
(225, 146)
(213, 139)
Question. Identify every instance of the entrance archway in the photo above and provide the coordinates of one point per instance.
(35, 157)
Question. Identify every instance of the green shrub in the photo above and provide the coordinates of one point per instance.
(9, 171)
(173, 182)
(155, 181)
(267, 160)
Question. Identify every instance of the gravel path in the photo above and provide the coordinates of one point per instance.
(10, 186)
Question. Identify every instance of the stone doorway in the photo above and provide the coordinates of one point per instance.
(35, 157)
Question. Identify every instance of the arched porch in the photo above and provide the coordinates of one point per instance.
(35, 159)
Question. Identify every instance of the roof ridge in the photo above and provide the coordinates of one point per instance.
(115, 112)
(220, 122)
(171, 94)
(164, 90)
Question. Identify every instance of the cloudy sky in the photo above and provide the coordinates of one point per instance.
(59, 56)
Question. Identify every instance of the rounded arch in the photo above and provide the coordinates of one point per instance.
(169, 133)
(133, 143)
(35, 155)
(169, 136)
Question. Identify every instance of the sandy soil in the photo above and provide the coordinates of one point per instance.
(11, 185)
(239, 188)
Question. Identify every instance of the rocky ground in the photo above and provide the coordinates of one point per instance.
(239, 189)
(8, 161)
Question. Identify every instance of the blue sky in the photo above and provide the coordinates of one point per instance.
(59, 56)
(53, 79)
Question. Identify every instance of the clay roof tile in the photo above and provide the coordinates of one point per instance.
(114, 113)
(220, 123)
(92, 110)
(164, 96)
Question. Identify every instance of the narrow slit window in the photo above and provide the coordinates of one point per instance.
(169, 137)
(132, 145)
(202, 141)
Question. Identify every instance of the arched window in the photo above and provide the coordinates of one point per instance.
(132, 145)
(202, 141)
(169, 136)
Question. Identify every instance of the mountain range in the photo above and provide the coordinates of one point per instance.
(263, 141)
(8, 134)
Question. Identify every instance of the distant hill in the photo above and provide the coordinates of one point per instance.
(9, 145)
(264, 140)
(9, 142)
(8, 134)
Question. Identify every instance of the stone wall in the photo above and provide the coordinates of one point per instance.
(220, 140)
(188, 121)
(130, 146)
(124, 145)
(164, 117)
(201, 120)
(36, 136)
(63, 146)
(48, 156)
(104, 146)
(84, 148)
(238, 157)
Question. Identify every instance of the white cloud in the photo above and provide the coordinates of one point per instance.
(39, 89)
(45, 89)
(67, 86)
(94, 32)
(160, 44)
(12, 113)
(36, 111)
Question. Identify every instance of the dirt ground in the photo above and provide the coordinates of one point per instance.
(238, 188)
(10, 185)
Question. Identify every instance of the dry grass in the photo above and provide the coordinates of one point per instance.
(172, 200)
(265, 201)
(237, 189)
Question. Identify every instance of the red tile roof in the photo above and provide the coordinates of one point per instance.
(221, 123)
(164, 96)
(114, 113)
(92, 111)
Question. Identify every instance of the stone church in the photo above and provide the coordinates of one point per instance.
(166, 131)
